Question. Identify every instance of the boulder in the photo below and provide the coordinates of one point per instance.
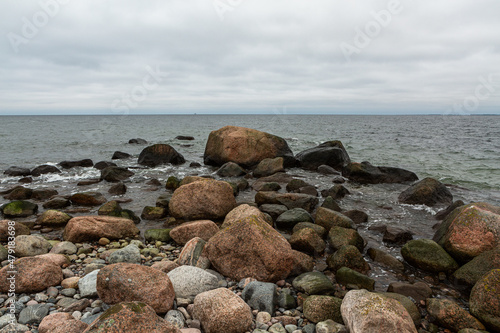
(268, 167)
(184, 137)
(194, 254)
(485, 300)
(130, 254)
(331, 153)
(244, 146)
(57, 203)
(385, 259)
(261, 296)
(137, 317)
(328, 218)
(103, 165)
(273, 210)
(428, 192)
(396, 235)
(251, 248)
(93, 228)
(221, 311)
(353, 279)
(313, 283)
(33, 314)
(15, 171)
(366, 312)
(472, 271)
(319, 308)
(115, 174)
(119, 155)
(53, 218)
(64, 248)
(19, 193)
(408, 304)
(165, 265)
(33, 275)
(19, 208)
(317, 228)
(291, 217)
(231, 169)
(365, 173)
(118, 189)
(295, 185)
(302, 263)
(348, 256)
(19, 229)
(241, 212)
(61, 322)
(126, 282)
(189, 281)
(470, 230)
(290, 200)
(44, 169)
(450, 315)
(428, 256)
(337, 191)
(138, 141)
(88, 199)
(307, 240)
(210, 199)
(31, 245)
(443, 213)
(356, 216)
(204, 229)
(81, 163)
(110, 208)
(331, 204)
(419, 291)
(43, 193)
(338, 237)
(160, 154)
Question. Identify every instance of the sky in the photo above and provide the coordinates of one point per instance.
(249, 56)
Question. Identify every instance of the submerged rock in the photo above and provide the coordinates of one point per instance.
(115, 174)
(119, 155)
(138, 141)
(44, 169)
(86, 163)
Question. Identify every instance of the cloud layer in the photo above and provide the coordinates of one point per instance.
(242, 56)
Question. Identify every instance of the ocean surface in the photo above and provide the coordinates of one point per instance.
(460, 151)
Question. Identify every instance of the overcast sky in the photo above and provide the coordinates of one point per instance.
(250, 56)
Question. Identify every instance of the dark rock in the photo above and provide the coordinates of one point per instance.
(153, 182)
(307, 240)
(172, 183)
(328, 218)
(231, 169)
(56, 203)
(43, 193)
(266, 187)
(268, 167)
(194, 165)
(295, 185)
(395, 235)
(441, 215)
(43, 169)
(262, 296)
(338, 180)
(153, 213)
(331, 153)
(163, 200)
(103, 165)
(331, 204)
(419, 291)
(450, 315)
(160, 154)
(119, 155)
(339, 236)
(313, 283)
(428, 192)
(15, 171)
(128, 214)
(81, 163)
(19, 193)
(290, 200)
(428, 256)
(356, 216)
(385, 259)
(348, 256)
(310, 190)
(110, 208)
(138, 141)
(286, 300)
(472, 271)
(337, 191)
(33, 314)
(327, 170)
(273, 210)
(88, 199)
(365, 173)
(317, 228)
(19, 208)
(347, 276)
(184, 137)
(118, 189)
(115, 174)
(291, 217)
(88, 182)
(25, 180)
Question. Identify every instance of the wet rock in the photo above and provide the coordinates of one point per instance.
(119, 155)
(356, 216)
(273, 210)
(118, 189)
(428, 192)
(307, 240)
(129, 254)
(15, 171)
(125, 282)
(103, 165)
(485, 300)
(163, 200)
(231, 169)
(53, 218)
(364, 311)
(290, 200)
(291, 217)
(327, 170)
(115, 174)
(408, 304)
(19, 193)
(244, 146)
(442, 214)
(210, 199)
(295, 185)
(251, 248)
(472, 271)
(33, 275)
(221, 311)
(428, 256)
(153, 213)
(110, 208)
(153, 235)
(19, 208)
(172, 183)
(19, 229)
(337, 191)
(317, 228)
(61, 322)
(328, 218)
(419, 291)
(331, 204)
(365, 173)
(331, 153)
(189, 281)
(81, 163)
(92, 228)
(160, 154)
(88, 199)
(395, 235)
(134, 316)
(44, 169)
(348, 256)
(470, 230)
(338, 237)
(261, 186)
(302, 263)
(43, 193)
(204, 229)
(268, 167)
(385, 259)
(25, 180)
(350, 277)
(320, 308)
(450, 315)
(57, 203)
(313, 283)
(193, 254)
(30, 245)
(138, 141)
(184, 138)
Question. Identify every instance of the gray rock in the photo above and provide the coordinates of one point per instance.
(87, 285)
(5, 319)
(28, 245)
(24, 299)
(293, 216)
(33, 314)
(290, 328)
(189, 281)
(261, 296)
(309, 328)
(273, 210)
(286, 300)
(64, 248)
(130, 254)
(15, 328)
(89, 319)
(277, 328)
(329, 326)
(69, 292)
(176, 318)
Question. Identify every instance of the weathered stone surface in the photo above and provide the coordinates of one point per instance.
(88, 199)
(291, 217)
(231, 169)
(61, 322)
(337, 192)
(194, 254)
(251, 248)
(331, 153)
(19, 208)
(33, 275)
(307, 240)
(409, 305)
(428, 256)
(210, 199)
(348, 256)
(221, 311)
(314, 283)
(53, 218)
(450, 315)
(160, 154)
(366, 312)
(485, 300)
(320, 308)
(87, 285)
(92, 228)
(470, 230)
(33, 314)
(385, 259)
(204, 229)
(19, 193)
(31, 245)
(317, 228)
(268, 167)
(153, 235)
(118, 189)
(365, 173)
(165, 265)
(290, 200)
(126, 282)
(129, 253)
(472, 271)
(302, 263)
(132, 316)
(328, 218)
(262, 296)
(339, 236)
(347, 276)
(19, 229)
(115, 174)
(241, 212)
(419, 291)
(428, 192)
(189, 281)
(244, 146)
(43, 169)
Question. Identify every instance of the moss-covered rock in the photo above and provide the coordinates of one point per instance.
(428, 256)
(347, 276)
(19, 208)
(54, 218)
(450, 315)
(328, 218)
(339, 236)
(348, 256)
(307, 240)
(485, 300)
(314, 283)
(291, 217)
(153, 213)
(428, 191)
(172, 183)
(320, 308)
(153, 235)
(317, 228)
(472, 271)
(111, 208)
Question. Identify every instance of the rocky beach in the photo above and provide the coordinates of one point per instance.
(252, 238)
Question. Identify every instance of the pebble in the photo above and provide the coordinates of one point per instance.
(52, 292)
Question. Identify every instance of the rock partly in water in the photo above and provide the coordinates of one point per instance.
(328, 218)
(85, 163)
(119, 155)
(268, 167)
(88, 199)
(160, 154)
(291, 217)
(19, 208)
(331, 153)
(419, 291)
(44, 169)
(365, 173)
(53, 218)
(15, 171)
(428, 256)
(115, 174)
(290, 200)
(138, 141)
(231, 169)
(428, 192)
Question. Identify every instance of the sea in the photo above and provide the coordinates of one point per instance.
(460, 151)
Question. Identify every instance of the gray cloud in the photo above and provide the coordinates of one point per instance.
(89, 55)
